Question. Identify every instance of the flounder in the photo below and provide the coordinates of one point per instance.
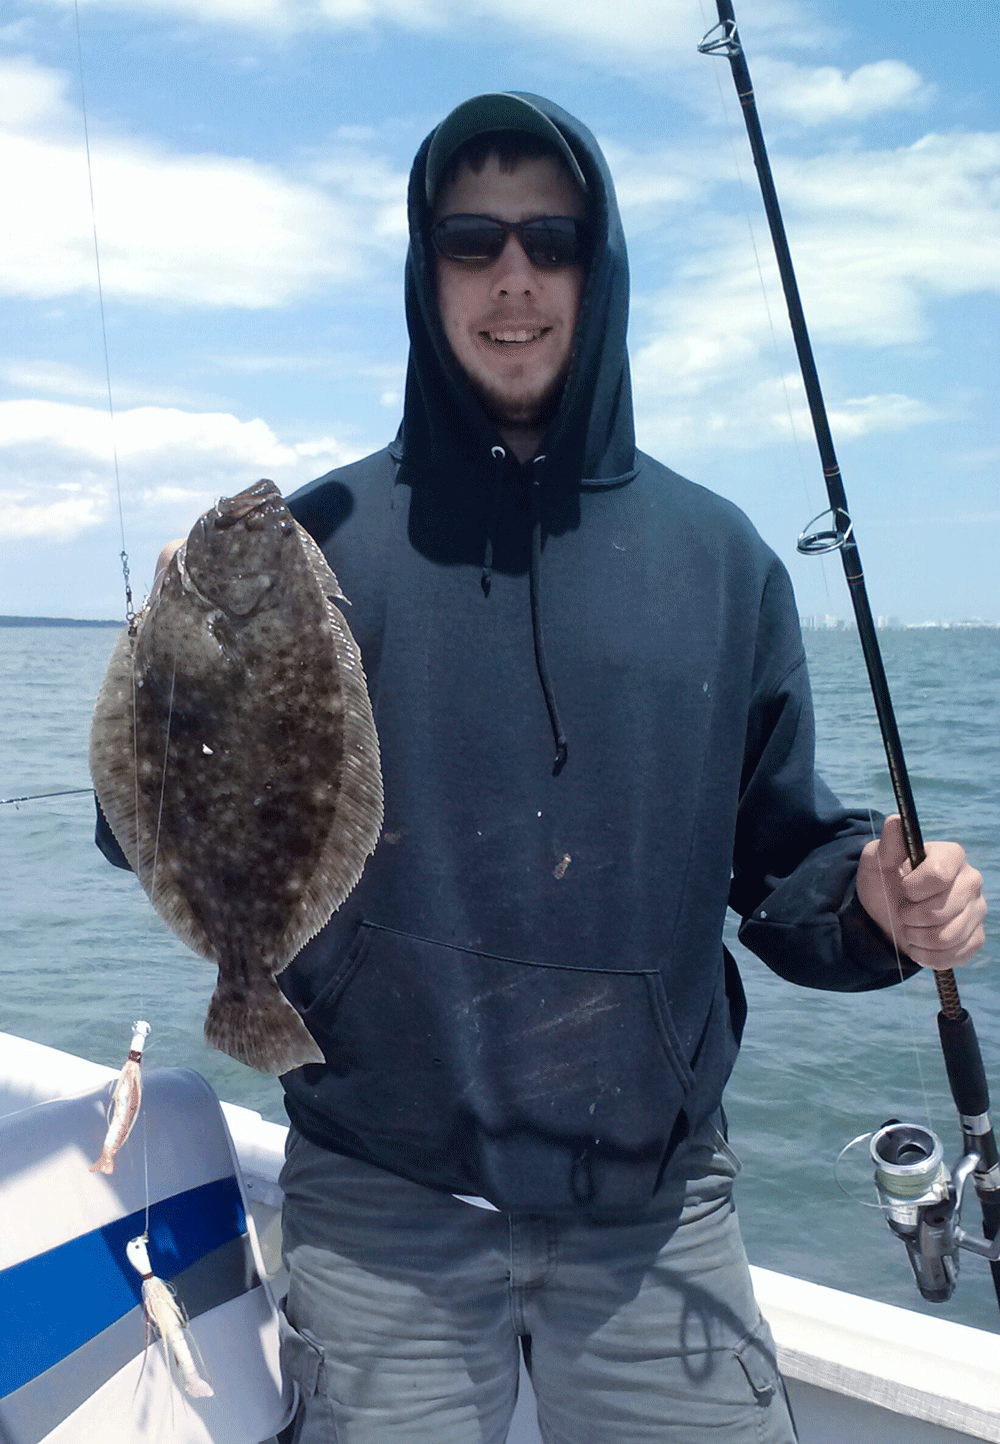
(234, 754)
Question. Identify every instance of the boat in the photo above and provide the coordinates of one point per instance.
(854, 1368)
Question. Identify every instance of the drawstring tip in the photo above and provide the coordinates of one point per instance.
(486, 580)
(562, 752)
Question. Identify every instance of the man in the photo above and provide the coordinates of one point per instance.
(596, 734)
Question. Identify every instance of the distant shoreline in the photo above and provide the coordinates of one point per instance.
(808, 624)
(55, 622)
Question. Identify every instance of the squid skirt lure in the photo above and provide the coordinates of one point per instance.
(167, 1317)
(124, 1107)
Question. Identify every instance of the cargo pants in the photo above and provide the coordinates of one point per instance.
(408, 1311)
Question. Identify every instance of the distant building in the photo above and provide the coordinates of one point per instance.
(818, 623)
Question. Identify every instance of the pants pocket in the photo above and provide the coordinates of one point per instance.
(757, 1357)
(302, 1364)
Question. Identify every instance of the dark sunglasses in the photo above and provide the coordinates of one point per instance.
(545, 240)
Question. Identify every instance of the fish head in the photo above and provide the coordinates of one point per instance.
(234, 552)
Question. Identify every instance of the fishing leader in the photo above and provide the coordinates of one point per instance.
(596, 733)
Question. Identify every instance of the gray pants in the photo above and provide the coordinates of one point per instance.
(407, 1310)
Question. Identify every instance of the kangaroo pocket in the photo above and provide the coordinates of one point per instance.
(542, 1088)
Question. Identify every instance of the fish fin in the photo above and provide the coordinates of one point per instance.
(112, 757)
(318, 565)
(257, 1025)
(359, 809)
(112, 766)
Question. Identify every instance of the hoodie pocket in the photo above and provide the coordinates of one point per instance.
(542, 1088)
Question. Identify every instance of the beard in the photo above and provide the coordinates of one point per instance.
(519, 403)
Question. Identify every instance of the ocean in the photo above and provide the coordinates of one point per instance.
(82, 953)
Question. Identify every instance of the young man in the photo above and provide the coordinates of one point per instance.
(596, 734)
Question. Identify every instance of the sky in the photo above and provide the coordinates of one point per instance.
(249, 162)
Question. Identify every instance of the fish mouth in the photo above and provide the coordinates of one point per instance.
(514, 335)
(259, 497)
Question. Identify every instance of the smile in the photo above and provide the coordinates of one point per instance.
(516, 337)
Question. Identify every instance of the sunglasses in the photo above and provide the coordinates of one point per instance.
(545, 240)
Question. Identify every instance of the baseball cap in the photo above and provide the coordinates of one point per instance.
(501, 110)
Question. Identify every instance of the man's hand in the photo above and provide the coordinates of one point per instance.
(934, 913)
(163, 561)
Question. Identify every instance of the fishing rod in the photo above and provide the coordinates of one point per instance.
(921, 1198)
(37, 796)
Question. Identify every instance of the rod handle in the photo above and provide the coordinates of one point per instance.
(964, 1063)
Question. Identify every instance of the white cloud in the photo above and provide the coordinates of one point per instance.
(60, 518)
(655, 184)
(861, 415)
(199, 230)
(60, 378)
(742, 413)
(817, 95)
(30, 95)
(57, 464)
(878, 239)
(643, 30)
(901, 225)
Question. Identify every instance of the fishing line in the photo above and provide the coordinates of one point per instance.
(166, 754)
(862, 1202)
(163, 788)
(130, 616)
(129, 608)
(907, 1001)
(780, 369)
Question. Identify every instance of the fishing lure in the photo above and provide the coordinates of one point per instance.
(167, 1317)
(123, 1109)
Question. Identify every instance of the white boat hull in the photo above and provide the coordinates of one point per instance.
(856, 1369)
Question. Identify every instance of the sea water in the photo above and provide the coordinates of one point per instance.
(82, 953)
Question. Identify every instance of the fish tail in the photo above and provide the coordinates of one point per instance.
(255, 1023)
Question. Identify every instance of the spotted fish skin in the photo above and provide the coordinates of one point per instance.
(234, 754)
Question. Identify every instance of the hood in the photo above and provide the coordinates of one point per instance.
(591, 438)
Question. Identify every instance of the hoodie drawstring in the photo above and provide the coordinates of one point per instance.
(544, 676)
(492, 522)
(492, 518)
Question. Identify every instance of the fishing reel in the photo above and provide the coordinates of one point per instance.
(922, 1203)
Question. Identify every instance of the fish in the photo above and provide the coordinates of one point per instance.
(233, 752)
(126, 1100)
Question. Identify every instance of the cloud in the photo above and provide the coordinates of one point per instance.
(203, 230)
(643, 30)
(862, 415)
(60, 378)
(879, 238)
(58, 468)
(818, 95)
(886, 230)
(31, 95)
(654, 184)
(744, 413)
(61, 518)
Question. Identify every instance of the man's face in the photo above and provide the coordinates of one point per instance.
(511, 323)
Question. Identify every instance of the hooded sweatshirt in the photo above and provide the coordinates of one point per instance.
(596, 733)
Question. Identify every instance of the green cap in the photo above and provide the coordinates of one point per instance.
(483, 113)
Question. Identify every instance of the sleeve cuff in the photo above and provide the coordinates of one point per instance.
(868, 947)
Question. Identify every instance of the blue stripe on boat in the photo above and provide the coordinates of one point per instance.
(53, 1303)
